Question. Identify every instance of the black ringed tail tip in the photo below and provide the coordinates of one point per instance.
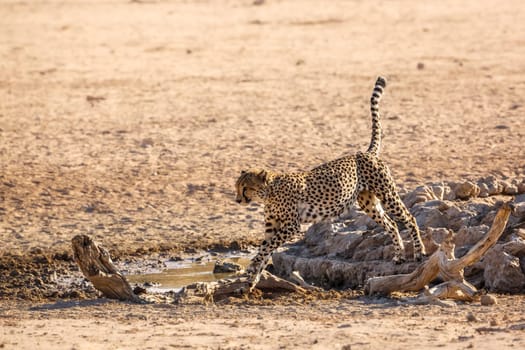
(381, 81)
(375, 142)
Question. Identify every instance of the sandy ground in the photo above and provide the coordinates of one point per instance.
(332, 324)
(130, 120)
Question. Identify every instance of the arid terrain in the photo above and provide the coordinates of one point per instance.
(129, 121)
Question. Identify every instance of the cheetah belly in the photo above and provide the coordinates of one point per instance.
(308, 213)
(317, 212)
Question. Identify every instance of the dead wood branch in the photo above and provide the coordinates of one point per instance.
(296, 278)
(216, 291)
(444, 264)
(96, 265)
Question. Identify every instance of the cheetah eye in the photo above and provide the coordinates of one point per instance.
(245, 196)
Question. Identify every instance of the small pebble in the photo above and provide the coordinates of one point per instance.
(501, 126)
(488, 300)
(471, 317)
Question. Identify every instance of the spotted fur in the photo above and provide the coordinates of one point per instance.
(326, 192)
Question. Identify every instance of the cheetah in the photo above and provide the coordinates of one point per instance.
(326, 192)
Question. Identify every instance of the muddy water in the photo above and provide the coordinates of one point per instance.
(182, 273)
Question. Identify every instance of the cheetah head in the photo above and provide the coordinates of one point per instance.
(250, 185)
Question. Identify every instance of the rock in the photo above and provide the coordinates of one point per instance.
(466, 190)
(438, 234)
(455, 215)
(488, 300)
(507, 187)
(458, 217)
(147, 142)
(492, 185)
(424, 193)
(471, 317)
(510, 190)
(503, 272)
(138, 290)
(521, 187)
(226, 267)
(472, 213)
(488, 218)
(420, 194)
(372, 248)
(345, 253)
(429, 214)
(332, 272)
(467, 237)
(484, 187)
(474, 275)
(519, 210)
(441, 190)
(483, 190)
(515, 246)
(324, 239)
(364, 222)
(432, 237)
(519, 198)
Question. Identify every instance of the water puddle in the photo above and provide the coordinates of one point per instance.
(181, 273)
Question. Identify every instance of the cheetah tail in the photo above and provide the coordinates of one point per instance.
(375, 142)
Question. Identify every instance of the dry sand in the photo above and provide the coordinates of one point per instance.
(130, 120)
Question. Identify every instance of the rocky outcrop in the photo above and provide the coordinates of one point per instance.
(346, 253)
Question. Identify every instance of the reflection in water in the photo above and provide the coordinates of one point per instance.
(179, 274)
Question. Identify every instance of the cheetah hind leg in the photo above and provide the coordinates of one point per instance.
(371, 205)
(400, 213)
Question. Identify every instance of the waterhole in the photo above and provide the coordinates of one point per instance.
(178, 274)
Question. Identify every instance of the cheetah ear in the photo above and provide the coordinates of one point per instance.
(263, 174)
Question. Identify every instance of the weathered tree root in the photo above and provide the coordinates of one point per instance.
(96, 265)
(444, 264)
(222, 289)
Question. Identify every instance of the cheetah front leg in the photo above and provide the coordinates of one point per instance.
(276, 235)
